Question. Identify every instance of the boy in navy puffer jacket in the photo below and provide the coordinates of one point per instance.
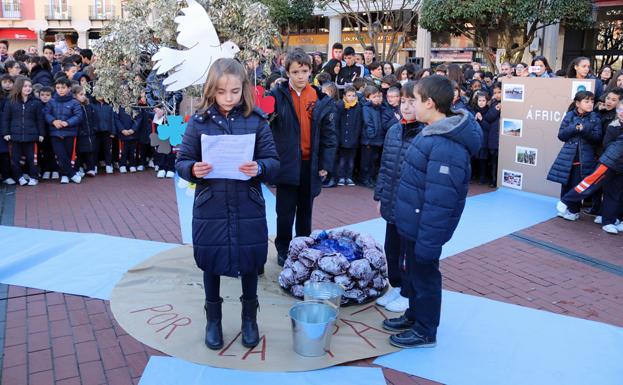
(581, 131)
(429, 203)
(397, 140)
(372, 135)
(349, 122)
(63, 115)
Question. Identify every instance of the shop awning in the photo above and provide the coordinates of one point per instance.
(17, 34)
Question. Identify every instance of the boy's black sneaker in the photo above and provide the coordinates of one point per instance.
(398, 324)
(412, 339)
(329, 183)
(281, 259)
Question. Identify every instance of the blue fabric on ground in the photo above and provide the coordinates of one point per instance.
(482, 342)
(486, 217)
(185, 210)
(173, 371)
(75, 263)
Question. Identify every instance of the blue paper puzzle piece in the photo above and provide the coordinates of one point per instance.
(172, 130)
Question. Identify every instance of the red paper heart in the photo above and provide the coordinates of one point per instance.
(265, 103)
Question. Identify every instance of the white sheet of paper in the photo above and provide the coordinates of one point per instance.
(159, 121)
(226, 153)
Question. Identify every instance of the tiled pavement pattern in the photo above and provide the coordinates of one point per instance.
(54, 338)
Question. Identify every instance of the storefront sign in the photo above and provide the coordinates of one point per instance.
(17, 34)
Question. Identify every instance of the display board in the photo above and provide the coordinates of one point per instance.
(532, 109)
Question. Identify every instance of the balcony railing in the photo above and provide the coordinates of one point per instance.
(106, 12)
(54, 11)
(10, 9)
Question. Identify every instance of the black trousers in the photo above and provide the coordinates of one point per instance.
(63, 149)
(212, 286)
(27, 149)
(165, 162)
(104, 146)
(144, 151)
(86, 160)
(46, 158)
(395, 263)
(346, 162)
(5, 165)
(369, 157)
(423, 288)
(128, 153)
(493, 157)
(602, 178)
(575, 177)
(294, 202)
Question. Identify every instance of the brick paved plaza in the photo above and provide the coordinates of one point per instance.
(46, 338)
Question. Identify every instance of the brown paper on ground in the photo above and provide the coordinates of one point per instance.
(160, 303)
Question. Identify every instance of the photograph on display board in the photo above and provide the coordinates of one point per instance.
(513, 92)
(512, 127)
(512, 179)
(580, 85)
(526, 155)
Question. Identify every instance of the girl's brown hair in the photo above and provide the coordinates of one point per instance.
(76, 89)
(223, 67)
(16, 91)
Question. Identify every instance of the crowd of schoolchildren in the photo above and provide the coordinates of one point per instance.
(53, 129)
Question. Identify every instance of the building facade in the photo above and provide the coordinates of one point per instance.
(26, 23)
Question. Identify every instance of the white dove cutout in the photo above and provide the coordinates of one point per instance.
(190, 66)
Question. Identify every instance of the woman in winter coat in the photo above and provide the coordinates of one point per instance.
(581, 131)
(230, 235)
(580, 68)
(23, 125)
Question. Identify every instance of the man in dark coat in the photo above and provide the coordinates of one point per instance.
(304, 132)
(430, 200)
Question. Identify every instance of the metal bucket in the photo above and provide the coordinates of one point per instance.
(312, 327)
(327, 292)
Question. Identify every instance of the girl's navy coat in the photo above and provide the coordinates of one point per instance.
(87, 130)
(483, 153)
(42, 76)
(349, 123)
(142, 125)
(105, 116)
(230, 235)
(373, 133)
(4, 145)
(64, 108)
(287, 136)
(123, 121)
(397, 141)
(434, 181)
(579, 146)
(23, 121)
(388, 116)
(492, 117)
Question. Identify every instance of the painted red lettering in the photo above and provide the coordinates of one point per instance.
(174, 325)
(262, 351)
(172, 316)
(156, 309)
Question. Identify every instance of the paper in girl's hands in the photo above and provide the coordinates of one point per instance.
(226, 153)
